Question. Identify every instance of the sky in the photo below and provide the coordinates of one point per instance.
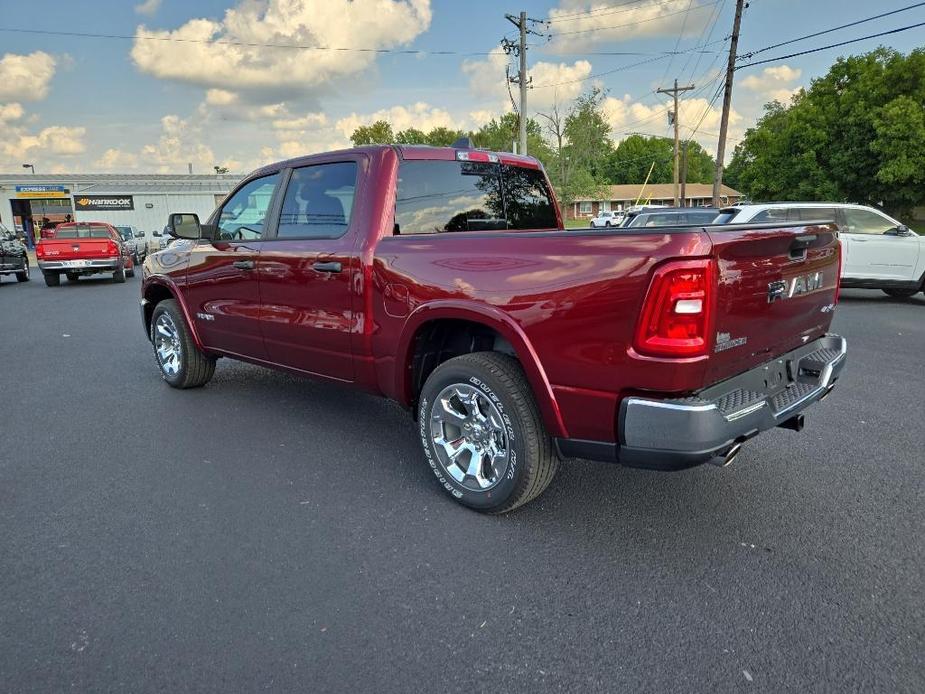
(231, 83)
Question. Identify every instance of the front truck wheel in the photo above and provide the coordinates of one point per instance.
(482, 433)
(181, 363)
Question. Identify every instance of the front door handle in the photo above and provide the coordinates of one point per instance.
(244, 264)
(332, 266)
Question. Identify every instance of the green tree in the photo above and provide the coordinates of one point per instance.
(443, 137)
(379, 133)
(411, 136)
(856, 134)
(588, 134)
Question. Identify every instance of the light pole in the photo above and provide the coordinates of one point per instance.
(29, 166)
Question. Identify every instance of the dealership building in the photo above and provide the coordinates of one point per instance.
(140, 200)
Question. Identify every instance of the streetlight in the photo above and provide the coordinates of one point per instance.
(29, 166)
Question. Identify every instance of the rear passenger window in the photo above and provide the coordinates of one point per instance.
(318, 202)
(528, 203)
(815, 214)
(448, 196)
(772, 214)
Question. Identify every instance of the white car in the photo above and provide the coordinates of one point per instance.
(878, 252)
(607, 219)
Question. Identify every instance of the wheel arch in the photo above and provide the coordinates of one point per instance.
(481, 321)
(157, 290)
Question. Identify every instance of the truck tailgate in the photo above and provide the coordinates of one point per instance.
(83, 248)
(776, 291)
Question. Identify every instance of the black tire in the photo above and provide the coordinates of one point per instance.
(72, 276)
(195, 369)
(901, 293)
(52, 279)
(130, 272)
(23, 275)
(119, 276)
(592, 225)
(532, 461)
(607, 225)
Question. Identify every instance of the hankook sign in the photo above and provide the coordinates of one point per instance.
(104, 202)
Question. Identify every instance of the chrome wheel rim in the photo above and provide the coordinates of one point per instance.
(167, 344)
(469, 437)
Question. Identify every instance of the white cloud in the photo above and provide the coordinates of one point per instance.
(220, 97)
(26, 77)
(180, 143)
(148, 7)
(309, 120)
(627, 116)
(774, 83)
(421, 115)
(116, 160)
(9, 112)
(18, 143)
(551, 81)
(272, 70)
(598, 21)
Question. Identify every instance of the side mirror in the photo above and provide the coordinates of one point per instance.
(156, 233)
(184, 226)
(901, 230)
(139, 234)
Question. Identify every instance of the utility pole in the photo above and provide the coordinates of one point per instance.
(684, 174)
(520, 50)
(727, 103)
(676, 119)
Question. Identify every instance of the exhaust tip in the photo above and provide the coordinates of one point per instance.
(727, 459)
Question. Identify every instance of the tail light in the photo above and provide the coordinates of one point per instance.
(112, 248)
(39, 250)
(677, 313)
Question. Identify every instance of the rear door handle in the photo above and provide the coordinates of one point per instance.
(332, 266)
(244, 264)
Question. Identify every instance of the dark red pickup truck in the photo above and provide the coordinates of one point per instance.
(442, 278)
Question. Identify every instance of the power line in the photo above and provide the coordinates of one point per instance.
(831, 45)
(245, 44)
(745, 56)
(606, 11)
(624, 67)
(598, 11)
(632, 24)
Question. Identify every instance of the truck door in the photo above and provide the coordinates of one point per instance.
(222, 288)
(309, 271)
(875, 251)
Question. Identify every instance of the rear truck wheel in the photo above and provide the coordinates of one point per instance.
(72, 276)
(901, 293)
(482, 433)
(607, 225)
(181, 363)
(130, 272)
(119, 275)
(592, 225)
(23, 275)
(52, 279)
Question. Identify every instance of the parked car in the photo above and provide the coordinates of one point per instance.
(879, 252)
(607, 219)
(135, 241)
(163, 239)
(83, 248)
(671, 216)
(443, 278)
(14, 260)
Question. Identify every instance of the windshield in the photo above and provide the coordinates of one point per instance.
(82, 232)
(125, 233)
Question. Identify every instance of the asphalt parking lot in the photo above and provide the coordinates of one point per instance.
(272, 533)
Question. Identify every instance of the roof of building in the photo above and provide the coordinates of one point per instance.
(658, 191)
(126, 183)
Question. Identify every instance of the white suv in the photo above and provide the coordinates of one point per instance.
(878, 251)
(607, 219)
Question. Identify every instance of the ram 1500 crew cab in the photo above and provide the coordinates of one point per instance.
(443, 278)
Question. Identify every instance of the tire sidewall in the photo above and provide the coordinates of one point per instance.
(449, 374)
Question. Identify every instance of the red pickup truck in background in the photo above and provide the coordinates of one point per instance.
(83, 248)
(442, 278)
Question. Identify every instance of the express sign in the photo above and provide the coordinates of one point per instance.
(104, 202)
